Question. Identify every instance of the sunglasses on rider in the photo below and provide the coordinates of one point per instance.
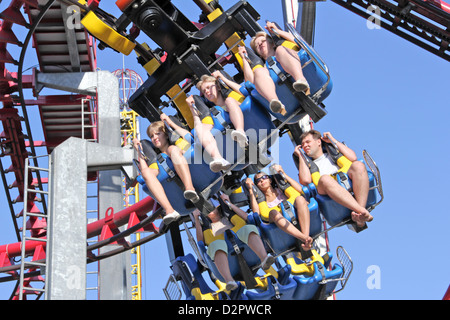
(261, 178)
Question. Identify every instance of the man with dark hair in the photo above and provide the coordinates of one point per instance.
(311, 143)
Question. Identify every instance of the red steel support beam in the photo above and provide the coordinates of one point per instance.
(447, 294)
(120, 218)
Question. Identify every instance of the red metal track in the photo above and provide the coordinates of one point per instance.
(440, 4)
(422, 22)
(58, 113)
(134, 216)
(447, 294)
(104, 227)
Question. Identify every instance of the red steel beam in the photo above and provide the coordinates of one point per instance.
(440, 4)
(447, 294)
(120, 218)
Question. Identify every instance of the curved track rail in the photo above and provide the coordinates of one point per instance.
(135, 217)
(59, 49)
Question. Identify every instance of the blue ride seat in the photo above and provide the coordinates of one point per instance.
(333, 212)
(282, 287)
(279, 241)
(276, 239)
(315, 72)
(257, 125)
(321, 284)
(201, 175)
(186, 269)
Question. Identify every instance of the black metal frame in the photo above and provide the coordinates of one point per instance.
(404, 20)
(194, 53)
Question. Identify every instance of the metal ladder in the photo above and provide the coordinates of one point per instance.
(93, 118)
(92, 284)
(24, 265)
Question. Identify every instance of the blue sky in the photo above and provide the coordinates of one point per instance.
(388, 98)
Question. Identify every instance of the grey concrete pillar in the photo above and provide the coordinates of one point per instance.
(115, 272)
(70, 163)
(66, 269)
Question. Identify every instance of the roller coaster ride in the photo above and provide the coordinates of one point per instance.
(81, 130)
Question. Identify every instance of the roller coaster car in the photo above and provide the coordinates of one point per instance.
(318, 284)
(257, 125)
(202, 176)
(189, 51)
(335, 214)
(243, 262)
(297, 104)
(275, 285)
(279, 285)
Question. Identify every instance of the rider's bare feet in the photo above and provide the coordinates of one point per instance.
(361, 218)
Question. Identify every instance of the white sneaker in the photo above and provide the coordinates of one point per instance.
(301, 86)
(219, 164)
(171, 217)
(240, 137)
(191, 195)
(277, 107)
(231, 285)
